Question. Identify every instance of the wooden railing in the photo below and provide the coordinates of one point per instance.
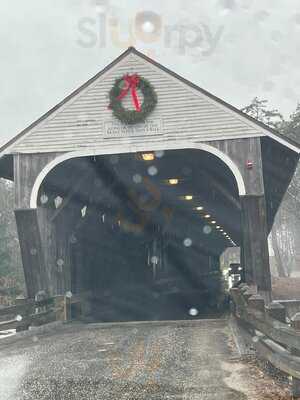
(29, 312)
(275, 336)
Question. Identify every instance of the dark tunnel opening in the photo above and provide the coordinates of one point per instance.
(145, 232)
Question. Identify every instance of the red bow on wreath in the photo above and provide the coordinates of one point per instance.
(131, 83)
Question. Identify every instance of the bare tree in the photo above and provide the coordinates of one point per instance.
(286, 229)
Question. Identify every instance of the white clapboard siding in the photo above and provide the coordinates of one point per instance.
(183, 112)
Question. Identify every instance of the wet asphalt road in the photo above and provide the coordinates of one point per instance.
(172, 360)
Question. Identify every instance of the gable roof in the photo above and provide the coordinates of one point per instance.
(264, 129)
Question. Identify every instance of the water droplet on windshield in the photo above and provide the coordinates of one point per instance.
(137, 178)
(207, 229)
(187, 242)
(193, 312)
(152, 170)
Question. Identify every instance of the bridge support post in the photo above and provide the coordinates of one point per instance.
(295, 352)
(31, 250)
(255, 251)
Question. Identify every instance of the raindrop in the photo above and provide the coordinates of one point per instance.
(193, 312)
(44, 198)
(207, 229)
(187, 242)
(83, 211)
(152, 170)
(58, 201)
(154, 260)
(60, 262)
(19, 318)
(137, 178)
(148, 27)
(159, 153)
(33, 252)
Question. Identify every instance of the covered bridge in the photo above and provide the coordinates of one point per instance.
(124, 210)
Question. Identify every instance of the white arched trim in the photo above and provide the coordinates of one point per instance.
(130, 148)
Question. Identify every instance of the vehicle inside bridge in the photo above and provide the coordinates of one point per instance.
(142, 233)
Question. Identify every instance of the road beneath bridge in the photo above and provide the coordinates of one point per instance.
(168, 360)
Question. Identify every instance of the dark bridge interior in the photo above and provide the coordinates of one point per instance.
(145, 231)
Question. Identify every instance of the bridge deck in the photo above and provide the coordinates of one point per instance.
(164, 360)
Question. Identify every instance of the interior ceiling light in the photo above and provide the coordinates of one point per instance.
(199, 208)
(221, 230)
(213, 222)
(188, 197)
(173, 181)
(207, 216)
(148, 156)
(218, 227)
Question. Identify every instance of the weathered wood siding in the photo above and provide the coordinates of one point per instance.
(240, 151)
(31, 250)
(255, 242)
(26, 169)
(185, 114)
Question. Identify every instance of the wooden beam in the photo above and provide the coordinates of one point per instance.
(255, 242)
(31, 250)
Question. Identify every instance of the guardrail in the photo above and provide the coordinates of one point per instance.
(30, 312)
(275, 336)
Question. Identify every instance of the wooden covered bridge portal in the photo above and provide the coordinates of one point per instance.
(135, 217)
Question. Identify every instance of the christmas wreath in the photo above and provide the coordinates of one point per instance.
(129, 84)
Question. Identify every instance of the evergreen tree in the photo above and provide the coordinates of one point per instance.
(11, 272)
(259, 110)
(291, 128)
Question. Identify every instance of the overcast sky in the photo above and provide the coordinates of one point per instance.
(236, 49)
